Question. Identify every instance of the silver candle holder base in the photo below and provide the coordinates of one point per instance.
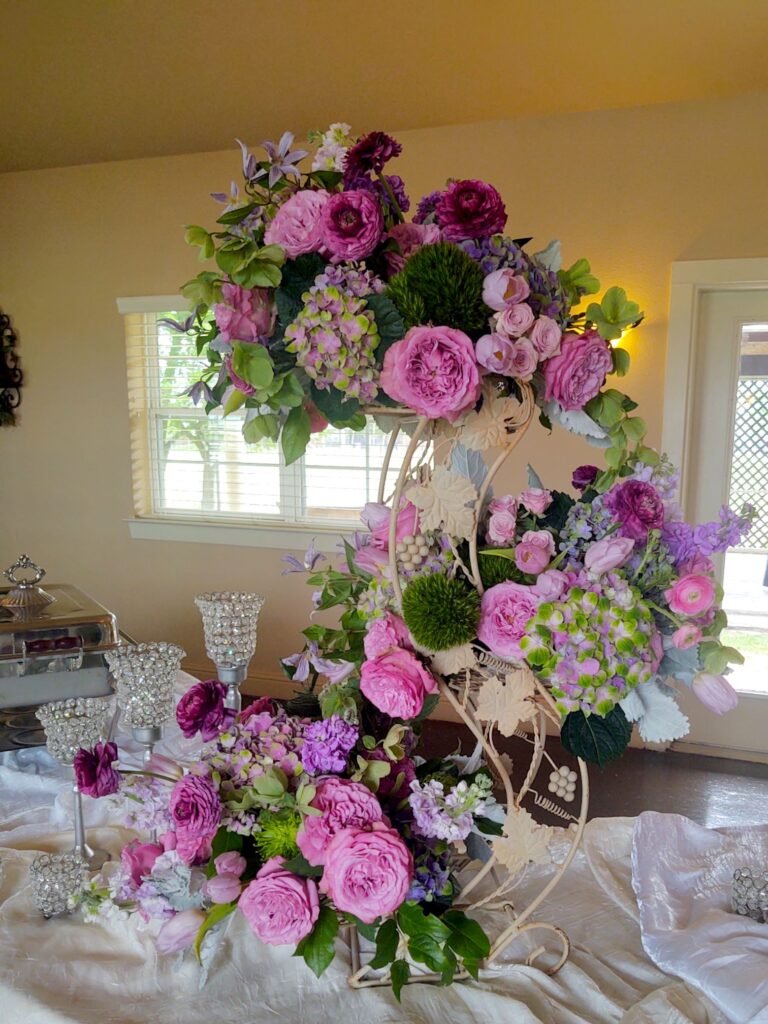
(232, 676)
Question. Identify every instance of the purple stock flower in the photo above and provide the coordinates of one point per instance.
(679, 539)
(425, 211)
(311, 559)
(327, 744)
(201, 709)
(377, 187)
(94, 772)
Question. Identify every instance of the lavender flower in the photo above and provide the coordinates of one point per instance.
(146, 805)
(282, 160)
(311, 560)
(425, 211)
(376, 185)
(448, 816)
(431, 877)
(327, 744)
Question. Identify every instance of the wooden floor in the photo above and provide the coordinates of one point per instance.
(712, 791)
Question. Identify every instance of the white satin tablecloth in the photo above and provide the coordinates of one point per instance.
(64, 971)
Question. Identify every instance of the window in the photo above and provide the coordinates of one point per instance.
(192, 468)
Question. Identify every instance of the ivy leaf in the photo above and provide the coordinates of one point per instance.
(467, 938)
(296, 433)
(386, 945)
(415, 922)
(399, 975)
(614, 314)
(212, 918)
(318, 947)
(595, 739)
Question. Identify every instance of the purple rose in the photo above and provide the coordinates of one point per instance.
(637, 506)
(410, 238)
(470, 209)
(433, 371)
(504, 613)
(515, 320)
(297, 226)
(280, 907)
(179, 931)
(577, 373)
(94, 772)
(244, 314)
(504, 288)
(583, 477)
(342, 804)
(196, 812)
(352, 225)
(201, 709)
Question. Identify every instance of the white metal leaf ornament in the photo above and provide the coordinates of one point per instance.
(444, 502)
(488, 427)
(507, 701)
(523, 842)
(454, 660)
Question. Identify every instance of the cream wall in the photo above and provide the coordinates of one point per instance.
(632, 190)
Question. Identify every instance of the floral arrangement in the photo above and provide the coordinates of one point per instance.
(326, 307)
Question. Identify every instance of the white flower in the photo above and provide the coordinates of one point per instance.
(507, 702)
(444, 502)
(523, 842)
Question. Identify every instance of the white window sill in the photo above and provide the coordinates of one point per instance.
(267, 535)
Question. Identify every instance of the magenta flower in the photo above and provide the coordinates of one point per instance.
(280, 908)
(196, 812)
(692, 595)
(396, 683)
(352, 225)
(367, 873)
(577, 373)
(637, 507)
(470, 209)
(201, 709)
(94, 772)
(410, 238)
(583, 477)
(138, 859)
(369, 155)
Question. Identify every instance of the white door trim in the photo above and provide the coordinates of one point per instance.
(690, 278)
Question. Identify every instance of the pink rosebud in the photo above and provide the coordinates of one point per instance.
(504, 288)
(530, 558)
(231, 863)
(501, 528)
(506, 503)
(222, 888)
(514, 320)
(608, 553)
(551, 584)
(536, 500)
(179, 931)
(692, 595)
(715, 692)
(685, 637)
(545, 336)
(495, 353)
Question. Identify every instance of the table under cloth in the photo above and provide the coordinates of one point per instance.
(65, 971)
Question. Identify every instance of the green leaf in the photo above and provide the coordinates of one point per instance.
(415, 922)
(203, 290)
(388, 322)
(386, 945)
(333, 406)
(489, 827)
(430, 703)
(595, 739)
(620, 361)
(368, 931)
(648, 456)
(634, 428)
(237, 215)
(399, 975)
(472, 967)
(290, 393)
(253, 363)
(299, 865)
(328, 179)
(614, 457)
(257, 274)
(234, 402)
(614, 314)
(214, 915)
(467, 938)
(259, 427)
(425, 950)
(578, 281)
(318, 947)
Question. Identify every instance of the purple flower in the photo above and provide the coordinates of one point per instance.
(201, 709)
(199, 390)
(352, 224)
(369, 155)
(470, 209)
(377, 187)
(94, 772)
(638, 508)
(679, 539)
(425, 211)
(583, 477)
(311, 559)
(196, 812)
(327, 744)
(281, 160)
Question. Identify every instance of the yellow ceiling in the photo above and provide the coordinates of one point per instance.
(84, 81)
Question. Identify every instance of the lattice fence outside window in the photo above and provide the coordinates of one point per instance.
(749, 461)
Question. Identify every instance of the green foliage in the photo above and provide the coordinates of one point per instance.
(613, 314)
(498, 569)
(203, 290)
(441, 284)
(332, 404)
(578, 280)
(441, 612)
(318, 947)
(253, 364)
(399, 975)
(299, 865)
(595, 739)
(215, 914)
(388, 322)
(298, 277)
(295, 435)
(277, 837)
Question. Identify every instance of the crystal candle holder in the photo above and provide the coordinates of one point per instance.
(69, 725)
(750, 893)
(230, 621)
(58, 880)
(145, 678)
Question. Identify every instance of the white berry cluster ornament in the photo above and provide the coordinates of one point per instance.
(563, 783)
(412, 551)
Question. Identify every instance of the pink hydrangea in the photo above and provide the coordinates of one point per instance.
(505, 610)
(281, 908)
(396, 683)
(577, 373)
(343, 804)
(367, 873)
(298, 225)
(433, 371)
(244, 314)
(352, 224)
(385, 634)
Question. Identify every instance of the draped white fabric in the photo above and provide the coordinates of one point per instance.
(66, 972)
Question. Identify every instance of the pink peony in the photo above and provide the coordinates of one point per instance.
(686, 636)
(503, 288)
(534, 552)
(608, 553)
(196, 812)
(504, 613)
(637, 506)
(470, 209)
(524, 360)
(138, 859)
(280, 907)
(352, 224)
(93, 769)
(578, 372)
(222, 888)
(691, 595)
(501, 528)
(515, 320)
(244, 314)
(551, 584)
(201, 709)
(298, 225)
(396, 683)
(344, 804)
(410, 238)
(494, 352)
(376, 517)
(545, 337)
(179, 931)
(385, 634)
(536, 500)
(367, 873)
(433, 371)
(715, 692)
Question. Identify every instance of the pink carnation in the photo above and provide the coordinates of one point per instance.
(691, 595)
(280, 907)
(577, 373)
(298, 225)
(344, 804)
(433, 371)
(410, 238)
(367, 873)
(503, 288)
(244, 314)
(396, 683)
(505, 610)
(352, 224)
(385, 634)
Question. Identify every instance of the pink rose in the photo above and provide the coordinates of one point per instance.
(524, 360)
(494, 353)
(410, 238)
(244, 314)
(138, 859)
(691, 595)
(501, 528)
(504, 613)
(686, 636)
(352, 224)
(196, 812)
(608, 553)
(545, 336)
(536, 500)
(343, 804)
(179, 931)
(396, 683)
(222, 888)
(433, 371)
(376, 517)
(280, 907)
(503, 288)
(231, 863)
(385, 634)
(534, 552)
(551, 584)
(506, 503)
(715, 692)
(298, 225)
(514, 320)
(367, 873)
(577, 373)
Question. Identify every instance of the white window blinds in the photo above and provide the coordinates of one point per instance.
(188, 466)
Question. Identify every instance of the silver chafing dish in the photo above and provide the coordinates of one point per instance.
(52, 644)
